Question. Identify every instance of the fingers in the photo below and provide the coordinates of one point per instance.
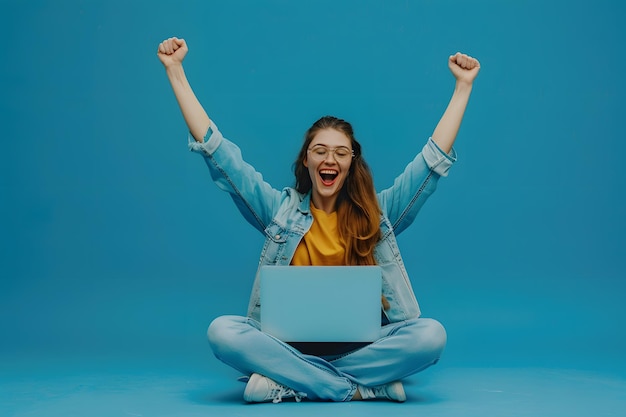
(385, 302)
(178, 42)
(169, 46)
(464, 61)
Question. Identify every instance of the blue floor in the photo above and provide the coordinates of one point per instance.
(96, 387)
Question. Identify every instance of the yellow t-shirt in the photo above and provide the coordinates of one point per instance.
(321, 244)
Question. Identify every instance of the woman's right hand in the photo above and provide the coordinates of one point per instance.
(172, 51)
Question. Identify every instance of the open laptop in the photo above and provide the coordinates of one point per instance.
(321, 303)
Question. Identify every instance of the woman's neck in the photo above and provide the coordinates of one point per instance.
(327, 205)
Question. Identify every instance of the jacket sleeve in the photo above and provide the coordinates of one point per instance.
(256, 199)
(402, 201)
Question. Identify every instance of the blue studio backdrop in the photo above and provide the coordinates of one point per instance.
(115, 244)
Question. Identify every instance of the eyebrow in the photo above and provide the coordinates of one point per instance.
(331, 147)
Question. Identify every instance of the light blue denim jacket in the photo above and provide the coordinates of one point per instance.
(283, 216)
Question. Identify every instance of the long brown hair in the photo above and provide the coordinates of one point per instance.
(358, 212)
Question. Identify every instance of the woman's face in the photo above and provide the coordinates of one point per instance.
(328, 160)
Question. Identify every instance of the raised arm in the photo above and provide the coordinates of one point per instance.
(171, 52)
(465, 69)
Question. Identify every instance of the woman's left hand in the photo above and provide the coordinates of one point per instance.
(463, 67)
(385, 302)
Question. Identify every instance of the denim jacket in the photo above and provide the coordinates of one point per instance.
(283, 216)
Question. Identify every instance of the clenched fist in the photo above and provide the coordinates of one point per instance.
(172, 51)
(463, 67)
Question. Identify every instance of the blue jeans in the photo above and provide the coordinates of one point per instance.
(403, 349)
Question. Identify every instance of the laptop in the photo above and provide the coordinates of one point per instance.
(321, 303)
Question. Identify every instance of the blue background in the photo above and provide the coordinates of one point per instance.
(115, 244)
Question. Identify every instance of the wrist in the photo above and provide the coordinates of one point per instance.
(174, 66)
(463, 86)
(175, 72)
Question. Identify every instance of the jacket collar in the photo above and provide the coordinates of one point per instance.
(305, 204)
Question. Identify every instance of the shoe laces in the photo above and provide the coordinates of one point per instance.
(380, 391)
(278, 392)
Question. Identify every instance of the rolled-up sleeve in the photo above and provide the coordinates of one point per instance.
(211, 142)
(437, 159)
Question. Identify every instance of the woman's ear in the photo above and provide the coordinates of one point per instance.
(304, 162)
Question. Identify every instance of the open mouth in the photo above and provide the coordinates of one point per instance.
(328, 176)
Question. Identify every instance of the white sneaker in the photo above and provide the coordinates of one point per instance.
(393, 391)
(263, 389)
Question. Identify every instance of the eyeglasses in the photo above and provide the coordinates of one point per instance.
(340, 153)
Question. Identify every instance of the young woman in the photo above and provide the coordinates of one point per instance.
(333, 216)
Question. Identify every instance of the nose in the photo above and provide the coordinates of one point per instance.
(330, 158)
